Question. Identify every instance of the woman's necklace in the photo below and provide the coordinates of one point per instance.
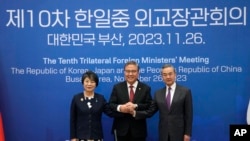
(88, 95)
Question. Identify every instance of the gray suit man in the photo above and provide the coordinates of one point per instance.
(175, 119)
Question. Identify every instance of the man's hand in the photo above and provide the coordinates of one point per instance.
(131, 106)
(186, 138)
(128, 108)
(124, 108)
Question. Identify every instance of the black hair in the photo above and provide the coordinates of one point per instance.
(132, 63)
(91, 75)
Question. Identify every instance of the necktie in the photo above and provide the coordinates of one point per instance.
(131, 93)
(169, 97)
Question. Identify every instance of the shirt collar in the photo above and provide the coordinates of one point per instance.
(135, 84)
(173, 86)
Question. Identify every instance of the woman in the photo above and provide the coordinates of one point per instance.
(86, 111)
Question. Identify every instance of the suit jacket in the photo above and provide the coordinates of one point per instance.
(122, 122)
(85, 122)
(178, 120)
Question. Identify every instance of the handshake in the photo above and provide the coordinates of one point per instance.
(128, 108)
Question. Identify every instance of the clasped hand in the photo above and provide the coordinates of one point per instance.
(128, 108)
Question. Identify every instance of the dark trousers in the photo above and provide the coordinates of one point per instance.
(129, 137)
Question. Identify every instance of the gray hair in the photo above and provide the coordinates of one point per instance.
(168, 66)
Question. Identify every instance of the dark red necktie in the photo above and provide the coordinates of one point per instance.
(131, 93)
(169, 97)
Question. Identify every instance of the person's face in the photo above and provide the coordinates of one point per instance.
(131, 73)
(89, 85)
(168, 75)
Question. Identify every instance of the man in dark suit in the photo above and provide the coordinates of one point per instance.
(124, 101)
(175, 121)
(175, 117)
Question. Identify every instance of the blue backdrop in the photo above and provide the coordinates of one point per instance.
(45, 47)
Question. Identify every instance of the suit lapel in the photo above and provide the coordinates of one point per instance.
(125, 90)
(81, 102)
(137, 91)
(176, 97)
(162, 97)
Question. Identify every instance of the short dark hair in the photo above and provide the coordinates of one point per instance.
(132, 63)
(168, 66)
(91, 75)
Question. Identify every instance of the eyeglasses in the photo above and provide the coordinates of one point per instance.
(131, 71)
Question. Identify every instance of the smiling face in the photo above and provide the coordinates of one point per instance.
(89, 85)
(131, 73)
(89, 81)
(168, 75)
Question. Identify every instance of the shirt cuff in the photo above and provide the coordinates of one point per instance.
(136, 106)
(118, 108)
(134, 114)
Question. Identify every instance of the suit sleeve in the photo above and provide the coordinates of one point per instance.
(113, 104)
(73, 119)
(188, 113)
(148, 108)
(144, 102)
(149, 112)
